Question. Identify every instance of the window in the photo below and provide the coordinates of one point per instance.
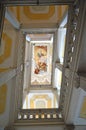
(58, 79)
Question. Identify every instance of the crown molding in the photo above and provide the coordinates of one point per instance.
(36, 2)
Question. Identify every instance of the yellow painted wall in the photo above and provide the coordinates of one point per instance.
(39, 16)
(3, 95)
(6, 60)
(39, 97)
(25, 15)
(83, 109)
(8, 47)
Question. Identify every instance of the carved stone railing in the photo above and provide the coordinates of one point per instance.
(39, 115)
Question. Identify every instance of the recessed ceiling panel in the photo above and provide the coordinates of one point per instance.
(41, 67)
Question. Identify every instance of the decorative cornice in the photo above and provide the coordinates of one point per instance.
(36, 2)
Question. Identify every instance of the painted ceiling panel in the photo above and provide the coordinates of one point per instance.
(40, 15)
(39, 9)
(40, 100)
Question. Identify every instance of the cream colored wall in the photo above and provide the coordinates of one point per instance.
(80, 127)
(8, 58)
(8, 48)
(76, 112)
(4, 115)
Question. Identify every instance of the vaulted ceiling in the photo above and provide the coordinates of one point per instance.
(39, 16)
